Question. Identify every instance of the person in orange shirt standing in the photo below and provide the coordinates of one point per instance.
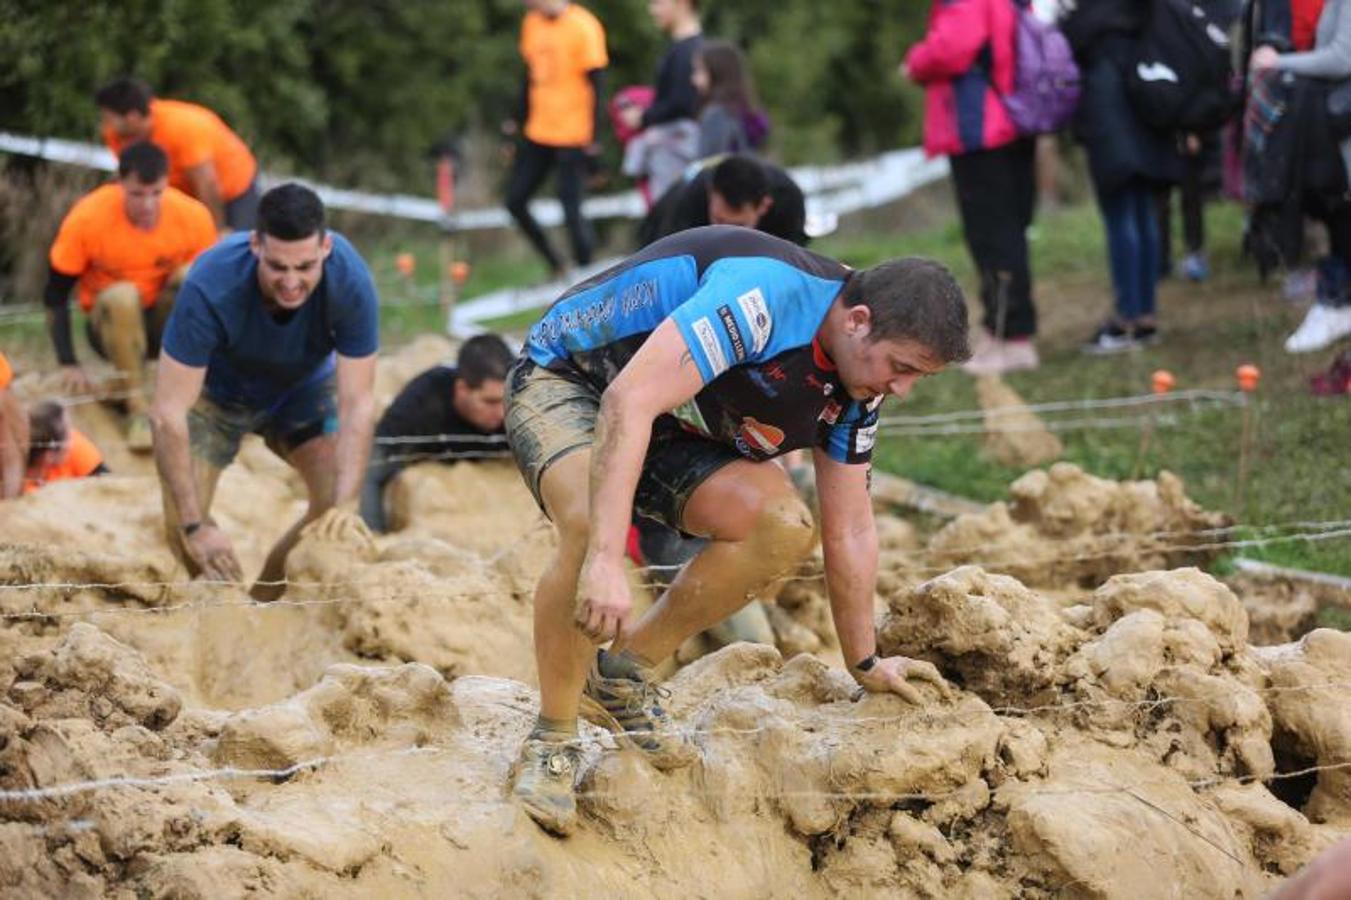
(562, 101)
(13, 434)
(57, 450)
(206, 159)
(128, 245)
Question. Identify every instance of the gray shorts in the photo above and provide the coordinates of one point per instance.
(551, 414)
(241, 213)
(215, 429)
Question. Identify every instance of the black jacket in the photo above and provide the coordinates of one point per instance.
(1121, 147)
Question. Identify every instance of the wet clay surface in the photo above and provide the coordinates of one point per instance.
(1113, 731)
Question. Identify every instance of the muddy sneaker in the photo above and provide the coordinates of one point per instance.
(543, 782)
(138, 434)
(629, 708)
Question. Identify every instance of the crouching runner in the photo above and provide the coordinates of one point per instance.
(665, 386)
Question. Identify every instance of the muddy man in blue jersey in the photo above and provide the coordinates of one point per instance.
(666, 386)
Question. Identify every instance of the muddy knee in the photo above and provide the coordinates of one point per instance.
(118, 317)
(784, 532)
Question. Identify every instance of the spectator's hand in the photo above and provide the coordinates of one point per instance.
(210, 549)
(1264, 57)
(510, 128)
(74, 382)
(1193, 144)
(631, 116)
(893, 674)
(603, 600)
(593, 149)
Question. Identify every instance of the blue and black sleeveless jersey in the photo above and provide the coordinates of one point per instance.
(748, 306)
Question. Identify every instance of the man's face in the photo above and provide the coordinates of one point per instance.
(663, 13)
(484, 407)
(131, 126)
(871, 368)
(748, 215)
(141, 201)
(289, 271)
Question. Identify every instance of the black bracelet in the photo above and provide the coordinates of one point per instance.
(866, 664)
(190, 528)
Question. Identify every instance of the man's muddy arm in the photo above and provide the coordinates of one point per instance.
(356, 424)
(660, 377)
(849, 541)
(177, 387)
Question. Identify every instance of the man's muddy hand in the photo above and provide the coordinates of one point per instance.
(213, 553)
(603, 600)
(894, 673)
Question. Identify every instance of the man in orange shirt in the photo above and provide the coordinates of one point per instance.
(561, 105)
(57, 450)
(13, 435)
(206, 158)
(127, 244)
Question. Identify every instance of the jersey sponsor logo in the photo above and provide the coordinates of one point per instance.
(756, 313)
(763, 382)
(584, 318)
(865, 438)
(756, 438)
(831, 414)
(733, 332)
(708, 342)
(639, 295)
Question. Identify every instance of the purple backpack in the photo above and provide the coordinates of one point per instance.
(1045, 78)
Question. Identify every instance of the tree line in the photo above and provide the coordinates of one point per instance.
(358, 91)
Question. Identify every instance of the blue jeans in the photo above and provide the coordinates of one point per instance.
(1132, 248)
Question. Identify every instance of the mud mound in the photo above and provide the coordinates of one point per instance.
(1066, 527)
(1144, 723)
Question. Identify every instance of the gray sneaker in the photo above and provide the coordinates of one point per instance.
(629, 708)
(544, 775)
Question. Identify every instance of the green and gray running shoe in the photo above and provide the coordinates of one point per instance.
(629, 707)
(544, 775)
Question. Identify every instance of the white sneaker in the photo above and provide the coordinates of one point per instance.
(1321, 327)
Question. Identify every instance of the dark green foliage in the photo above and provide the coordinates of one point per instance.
(357, 91)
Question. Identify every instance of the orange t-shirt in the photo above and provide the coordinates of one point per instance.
(6, 373)
(98, 243)
(80, 460)
(191, 135)
(558, 53)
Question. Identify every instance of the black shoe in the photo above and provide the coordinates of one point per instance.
(1146, 335)
(1113, 337)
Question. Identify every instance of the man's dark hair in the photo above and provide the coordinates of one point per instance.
(46, 429)
(290, 212)
(484, 357)
(145, 160)
(123, 95)
(913, 299)
(740, 181)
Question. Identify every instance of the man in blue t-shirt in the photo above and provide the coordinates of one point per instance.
(666, 386)
(273, 332)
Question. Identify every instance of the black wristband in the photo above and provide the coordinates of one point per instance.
(189, 528)
(866, 664)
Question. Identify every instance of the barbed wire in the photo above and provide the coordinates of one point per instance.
(1221, 398)
(484, 565)
(604, 739)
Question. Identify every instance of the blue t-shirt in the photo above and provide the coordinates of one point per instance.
(748, 306)
(253, 359)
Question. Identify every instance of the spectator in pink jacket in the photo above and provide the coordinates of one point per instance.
(965, 62)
